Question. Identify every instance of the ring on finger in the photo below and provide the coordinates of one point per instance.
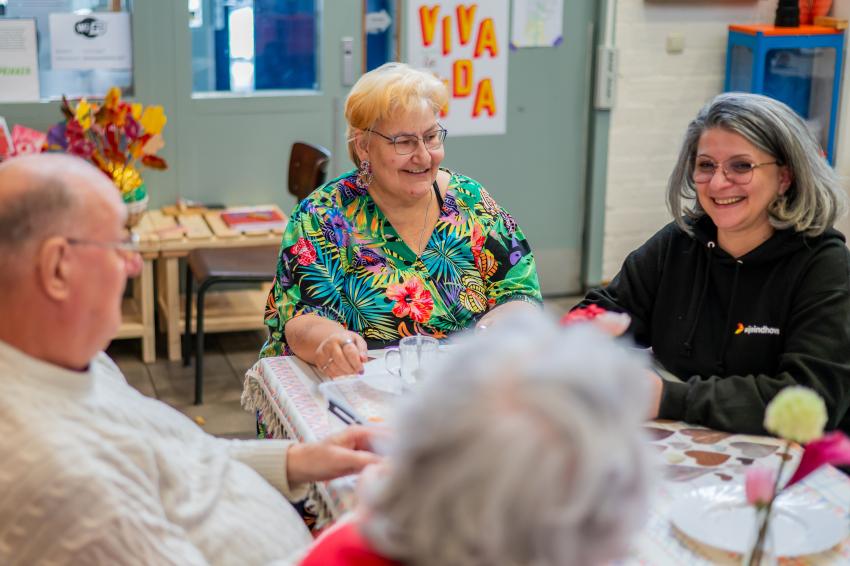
(347, 341)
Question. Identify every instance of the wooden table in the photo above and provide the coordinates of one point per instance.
(285, 390)
(138, 310)
(174, 237)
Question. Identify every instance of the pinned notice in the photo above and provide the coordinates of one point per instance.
(99, 40)
(18, 61)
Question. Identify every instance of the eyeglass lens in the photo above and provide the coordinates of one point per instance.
(405, 145)
(737, 171)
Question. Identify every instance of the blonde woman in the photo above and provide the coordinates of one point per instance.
(398, 246)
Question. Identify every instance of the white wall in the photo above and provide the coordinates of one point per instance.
(657, 95)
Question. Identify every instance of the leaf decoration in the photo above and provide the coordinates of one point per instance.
(154, 162)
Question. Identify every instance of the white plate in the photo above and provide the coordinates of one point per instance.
(719, 516)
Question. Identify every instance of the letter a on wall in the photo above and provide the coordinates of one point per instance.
(466, 45)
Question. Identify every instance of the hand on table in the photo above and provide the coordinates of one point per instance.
(341, 353)
(613, 323)
(503, 312)
(346, 452)
(656, 387)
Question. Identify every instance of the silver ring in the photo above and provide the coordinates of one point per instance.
(347, 341)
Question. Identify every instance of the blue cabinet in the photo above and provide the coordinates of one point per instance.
(800, 66)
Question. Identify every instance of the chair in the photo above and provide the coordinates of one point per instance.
(211, 266)
(308, 166)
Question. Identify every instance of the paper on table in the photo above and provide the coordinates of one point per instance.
(371, 397)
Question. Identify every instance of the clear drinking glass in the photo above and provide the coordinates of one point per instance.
(413, 355)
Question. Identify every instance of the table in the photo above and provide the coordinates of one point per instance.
(138, 310)
(174, 237)
(285, 390)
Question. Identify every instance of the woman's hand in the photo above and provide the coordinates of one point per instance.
(656, 388)
(613, 323)
(505, 310)
(341, 353)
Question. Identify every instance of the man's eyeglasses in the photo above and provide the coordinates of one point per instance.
(406, 144)
(737, 171)
(127, 248)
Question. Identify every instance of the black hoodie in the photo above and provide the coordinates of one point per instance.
(737, 331)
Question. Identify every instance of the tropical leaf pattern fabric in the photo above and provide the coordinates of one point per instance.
(340, 258)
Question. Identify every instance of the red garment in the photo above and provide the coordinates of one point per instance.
(343, 545)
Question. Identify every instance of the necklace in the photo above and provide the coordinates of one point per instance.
(419, 248)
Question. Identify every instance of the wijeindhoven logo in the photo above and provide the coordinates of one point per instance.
(753, 329)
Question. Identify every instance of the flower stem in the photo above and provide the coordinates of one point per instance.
(758, 549)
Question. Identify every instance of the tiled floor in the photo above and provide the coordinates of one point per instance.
(227, 357)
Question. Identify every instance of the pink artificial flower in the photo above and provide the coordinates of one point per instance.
(759, 485)
(589, 312)
(832, 448)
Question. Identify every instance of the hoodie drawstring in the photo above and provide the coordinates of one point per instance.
(688, 344)
(727, 329)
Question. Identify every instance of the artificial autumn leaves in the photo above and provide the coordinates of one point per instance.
(113, 136)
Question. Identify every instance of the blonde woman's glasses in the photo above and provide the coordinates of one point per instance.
(737, 171)
(406, 144)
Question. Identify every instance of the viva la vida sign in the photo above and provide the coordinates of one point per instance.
(465, 44)
(100, 40)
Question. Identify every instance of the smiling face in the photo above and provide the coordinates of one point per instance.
(738, 210)
(404, 178)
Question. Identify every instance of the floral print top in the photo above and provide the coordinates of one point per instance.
(340, 258)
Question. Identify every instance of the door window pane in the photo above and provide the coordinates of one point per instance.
(254, 45)
(73, 83)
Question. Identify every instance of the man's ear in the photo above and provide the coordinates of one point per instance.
(786, 177)
(54, 268)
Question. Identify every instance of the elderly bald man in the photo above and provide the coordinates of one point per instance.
(92, 471)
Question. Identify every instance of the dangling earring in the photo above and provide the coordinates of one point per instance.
(364, 174)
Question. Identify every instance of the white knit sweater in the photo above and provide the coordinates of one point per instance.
(93, 472)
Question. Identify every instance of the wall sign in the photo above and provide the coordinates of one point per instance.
(99, 40)
(465, 44)
(18, 61)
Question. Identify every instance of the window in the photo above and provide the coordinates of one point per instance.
(73, 83)
(244, 46)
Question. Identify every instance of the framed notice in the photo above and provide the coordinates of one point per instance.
(18, 61)
(466, 45)
(99, 40)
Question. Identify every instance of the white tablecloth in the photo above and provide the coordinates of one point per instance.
(285, 390)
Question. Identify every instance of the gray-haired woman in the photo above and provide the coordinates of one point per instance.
(748, 290)
(524, 448)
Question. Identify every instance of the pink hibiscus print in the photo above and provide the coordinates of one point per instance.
(304, 250)
(411, 299)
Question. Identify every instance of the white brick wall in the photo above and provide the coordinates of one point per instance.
(657, 95)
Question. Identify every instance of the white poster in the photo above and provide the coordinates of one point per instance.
(18, 61)
(537, 23)
(99, 40)
(465, 44)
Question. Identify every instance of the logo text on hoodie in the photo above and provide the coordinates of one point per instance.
(756, 329)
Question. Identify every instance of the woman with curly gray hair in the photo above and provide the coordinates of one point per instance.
(747, 291)
(524, 448)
